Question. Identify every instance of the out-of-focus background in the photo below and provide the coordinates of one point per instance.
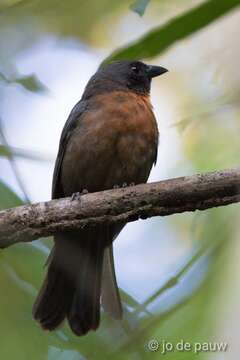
(178, 275)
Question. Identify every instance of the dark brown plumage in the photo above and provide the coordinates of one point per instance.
(110, 138)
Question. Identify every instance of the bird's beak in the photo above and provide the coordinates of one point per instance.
(154, 71)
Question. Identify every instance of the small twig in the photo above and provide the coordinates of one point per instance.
(24, 154)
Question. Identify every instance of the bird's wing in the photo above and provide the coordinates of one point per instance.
(70, 124)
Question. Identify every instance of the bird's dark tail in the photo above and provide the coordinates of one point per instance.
(84, 314)
(73, 284)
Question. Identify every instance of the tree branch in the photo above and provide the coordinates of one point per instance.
(197, 192)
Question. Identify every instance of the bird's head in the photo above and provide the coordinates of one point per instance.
(126, 74)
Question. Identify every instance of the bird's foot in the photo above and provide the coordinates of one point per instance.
(124, 185)
(77, 195)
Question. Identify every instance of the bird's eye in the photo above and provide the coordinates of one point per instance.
(135, 69)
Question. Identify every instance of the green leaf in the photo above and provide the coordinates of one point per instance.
(139, 6)
(31, 83)
(160, 38)
(5, 151)
(8, 198)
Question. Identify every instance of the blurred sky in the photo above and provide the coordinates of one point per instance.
(147, 252)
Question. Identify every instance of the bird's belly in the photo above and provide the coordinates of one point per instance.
(129, 160)
(132, 163)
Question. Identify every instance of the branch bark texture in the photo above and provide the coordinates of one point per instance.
(197, 192)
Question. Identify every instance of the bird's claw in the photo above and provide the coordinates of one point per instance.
(124, 185)
(77, 195)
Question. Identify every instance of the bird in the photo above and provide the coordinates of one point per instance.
(109, 139)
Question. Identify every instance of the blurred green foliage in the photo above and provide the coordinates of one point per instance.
(159, 39)
(12, 152)
(208, 143)
(29, 82)
(72, 18)
(7, 197)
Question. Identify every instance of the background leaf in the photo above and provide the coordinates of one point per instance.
(31, 83)
(140, 6)
(28, 82)
(8, 198)
(159, 39)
